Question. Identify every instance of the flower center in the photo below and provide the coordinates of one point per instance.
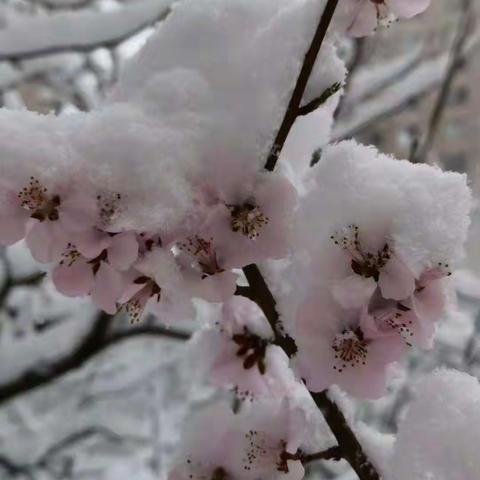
(219, 474)
(35, 198)
(394, 320)
(109, 205)
(247, 219)
(70, 255)
(350, 349)
(263, 452)
(252, 348)
(136, 305)
(365, 264)
(203, 252)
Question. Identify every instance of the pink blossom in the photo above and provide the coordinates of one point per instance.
(261, 442)
(203, 273)
(95, 267)
(335, 349)
(363, 16)
(242, 357)
(273, 433)
(156, 285)
(48, 218)
(251, 221)
(372, 261)
(199, 459)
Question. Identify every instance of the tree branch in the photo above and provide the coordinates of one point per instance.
(456, 62)
(51, 37)
(297, 96)
(318, 102)
(96, 341)
(333, 453)
(349, 446)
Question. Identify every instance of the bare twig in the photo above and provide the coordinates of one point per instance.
(68, 45)
(456, 62)
(333, 453)
(318, 102)
(96, 341)
(297, 96)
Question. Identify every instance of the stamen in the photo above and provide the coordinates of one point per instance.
(70, 255)
(203, 252)
(247, 219)
(365, 264)
(109, 206)
(262, 451)
(35, 198)
(136, 305)
(395, 320)
(350, 349)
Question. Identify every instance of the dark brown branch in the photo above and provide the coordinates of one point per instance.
(318, 102)
(10, 283)
(333, 453)
(349, 446)
(96, 341)
(299, 90)
(262, 296)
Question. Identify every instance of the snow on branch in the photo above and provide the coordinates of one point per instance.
(418, 82)
(80, 31)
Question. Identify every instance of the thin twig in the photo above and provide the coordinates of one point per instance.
(318, 102)
(84, 47)
(456, 62)
(332, 453)
(96, 341)
(299, 90)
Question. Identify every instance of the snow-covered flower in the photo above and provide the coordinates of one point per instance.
(199, 459)
(364, 16)
(241, 354)
(204, 275)
(95, 266)
(47, 217)
(261, 442)
(273, 433)
(372, 261)
(156, 285)
(334, 348)
(251, 218)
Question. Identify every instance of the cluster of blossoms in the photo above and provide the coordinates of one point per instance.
(366, 242)
(382, 282)
(76, 231)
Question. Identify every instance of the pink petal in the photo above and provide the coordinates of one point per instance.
(407, 8)
(75, 280)
(78, 212)
(108, 288)
(12, 227)
(364, 19)
(92, 242)
(353, 291)
(123, 250)
(46, 241)
(396, 280)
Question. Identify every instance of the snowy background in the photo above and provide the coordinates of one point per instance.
(76, 403)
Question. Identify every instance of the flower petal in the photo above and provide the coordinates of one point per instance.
(75, 280)
(107, 289)
(123, 250)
